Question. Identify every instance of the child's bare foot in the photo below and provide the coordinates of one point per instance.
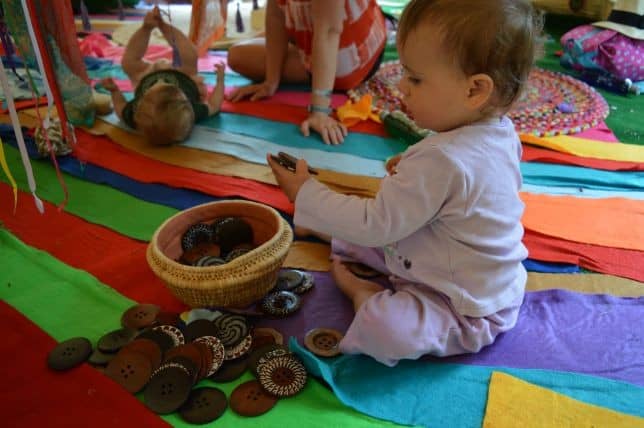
(356, 289)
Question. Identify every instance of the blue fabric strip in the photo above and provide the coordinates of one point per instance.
(532, 265)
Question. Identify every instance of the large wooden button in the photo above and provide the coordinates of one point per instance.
(168, 389)
(140, 316)
(282, 376)
(161, 338)
(323, 341)
(115, 340)
(147, 347)
(230, 370)
(129, 369)
(204, 405)
(250, 399)
(69, 353)
(199, 328)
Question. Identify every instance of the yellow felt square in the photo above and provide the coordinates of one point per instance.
(515, 403)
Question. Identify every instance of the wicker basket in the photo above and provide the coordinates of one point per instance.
(238, 283)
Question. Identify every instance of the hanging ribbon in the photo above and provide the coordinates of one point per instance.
(7, 171)
(121, 11)
(15, 121)
(87, 26)
(7, 44)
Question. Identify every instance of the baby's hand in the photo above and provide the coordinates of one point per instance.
(392, 163)
(109, 84)
(220, 69)
(289, 181)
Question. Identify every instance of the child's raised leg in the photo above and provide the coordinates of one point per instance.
(186, 49)
(133, 63)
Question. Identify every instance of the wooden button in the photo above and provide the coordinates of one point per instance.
(129, 369)
(148, 348)
(250, 399)
(230, 370)
(69, 353)
(204, 405)
(199, 328)
(140, 316)
(168, 389)
(115, 340)
(323, 341)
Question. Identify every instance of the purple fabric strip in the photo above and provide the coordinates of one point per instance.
(557, 330)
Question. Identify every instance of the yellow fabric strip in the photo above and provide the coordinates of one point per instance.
(7, 171)
(588, 148)
(515, 403)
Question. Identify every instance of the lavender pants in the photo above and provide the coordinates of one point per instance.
(411, 319)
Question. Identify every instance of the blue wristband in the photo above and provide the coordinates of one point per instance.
(322, 92)
(312, 108)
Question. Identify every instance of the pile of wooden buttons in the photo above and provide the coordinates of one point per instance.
(216, 243)
(155, 352)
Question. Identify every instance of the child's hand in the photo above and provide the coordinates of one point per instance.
(220, 70)
(290, 182)
(109, 84)
(254, 92)
(392, 163)
(331, 131)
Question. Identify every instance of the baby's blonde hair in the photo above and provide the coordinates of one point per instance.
(164, 116)
(494, 37)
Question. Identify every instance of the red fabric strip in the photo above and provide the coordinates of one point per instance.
(114, 259)
(79, 397)
(101, 151)
(539, 154)
(614, 261)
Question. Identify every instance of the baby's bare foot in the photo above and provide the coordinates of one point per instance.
(355, 288)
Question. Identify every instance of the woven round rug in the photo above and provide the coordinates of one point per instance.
(552, 103)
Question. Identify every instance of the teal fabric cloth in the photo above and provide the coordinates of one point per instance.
(417, 392)
(546, 174)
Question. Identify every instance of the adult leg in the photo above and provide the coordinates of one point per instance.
(248, 58)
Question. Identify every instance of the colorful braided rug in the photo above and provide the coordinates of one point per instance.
(552, 104)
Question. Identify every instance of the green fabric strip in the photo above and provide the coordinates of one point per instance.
(114, 209)
(67, 302)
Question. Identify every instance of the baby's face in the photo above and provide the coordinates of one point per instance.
(433, 86)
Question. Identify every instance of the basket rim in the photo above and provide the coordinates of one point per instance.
(233, 263)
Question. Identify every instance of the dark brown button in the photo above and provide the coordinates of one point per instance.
(230, 370)
(168, 318)
(99, 358)
(282, 376)
(168, 388)
(191, 352)
(69, 353)
(217, 352)
(175, 334)
(159, 337)
(147, 347)
(199, 233)
(231, 232)
(204, 405)
(129, 369)
(323, 341)
(140, 316)
(361, 270)
(199, 328)
(250, 399)
(115, 340)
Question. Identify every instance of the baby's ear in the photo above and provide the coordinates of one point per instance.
(480, 90)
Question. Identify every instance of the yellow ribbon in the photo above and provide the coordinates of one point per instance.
(7, 171)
